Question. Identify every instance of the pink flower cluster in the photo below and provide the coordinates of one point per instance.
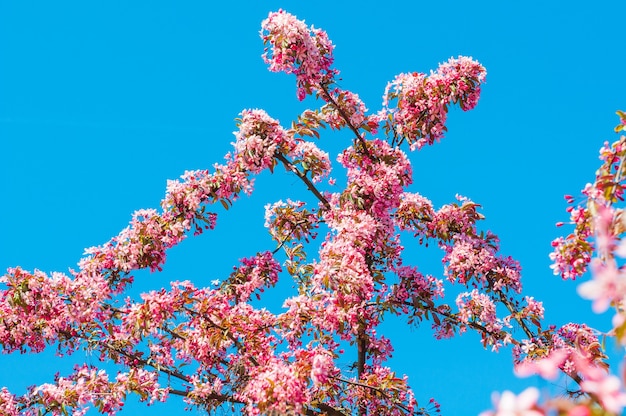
(413, 286)
(286, 221)
(374, 403)
(375, 181)
(312, 160)
(259, 138)
(481, 308)
(473, 258)
(276, 387)
(38, 309)
(416, 214)
(87, 385)
(298, 49)
(288, 382)
(422, 100)
(254, 274)
(572, 254)
(322, 368)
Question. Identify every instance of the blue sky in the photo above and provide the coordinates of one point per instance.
(102, 102)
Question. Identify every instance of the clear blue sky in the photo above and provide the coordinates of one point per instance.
(102, 102)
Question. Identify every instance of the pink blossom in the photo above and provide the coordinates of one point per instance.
(547, 367)
(608, 390)
(508, 404)
(275, 386)
(479, 307)
(9, 404)
(322, 367)
(255, 273)
(570, 257)
(607, 285)
(579, 410)
(534, 309)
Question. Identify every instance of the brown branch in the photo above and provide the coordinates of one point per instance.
(213, 396)
(426, 306)
(291, 167)
(375, 389)
(346, 118)
(513, 312)
(361, 357)
(474, 325)
(288, 236)
(134, 357)
(324, 409)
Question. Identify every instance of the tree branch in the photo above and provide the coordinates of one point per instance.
(291, 167)
(346, 118)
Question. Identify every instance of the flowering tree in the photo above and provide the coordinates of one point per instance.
(216, 349)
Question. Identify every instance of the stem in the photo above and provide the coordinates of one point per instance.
(361, 357)
(213, 396)
(361, 352)
(513, 311)
(288, 236)
(474, 325)
(131, 356)
(290, 166)
(345, 117)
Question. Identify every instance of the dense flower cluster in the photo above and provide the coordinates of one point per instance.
(298, 49)
(312, 160)
(259, 138)
(86, 386)
(421, 101)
